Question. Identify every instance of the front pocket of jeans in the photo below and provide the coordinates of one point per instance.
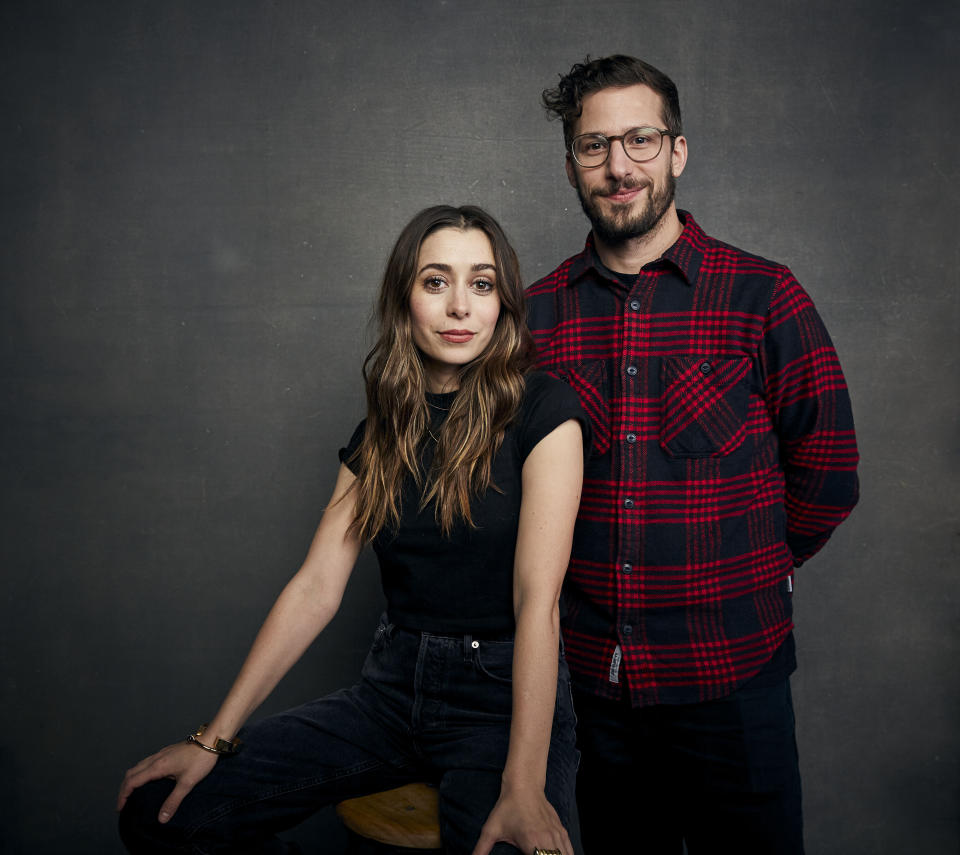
(495, 660)
(705, 401)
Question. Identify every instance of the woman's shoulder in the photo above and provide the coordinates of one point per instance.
(547, 403)
(348, 452)
(540, 386)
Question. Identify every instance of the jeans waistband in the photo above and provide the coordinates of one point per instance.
(469, 643)
(469, 640)
(467, 637)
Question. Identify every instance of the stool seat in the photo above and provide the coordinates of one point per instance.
(406, 816)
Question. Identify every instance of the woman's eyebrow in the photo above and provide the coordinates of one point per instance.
(447, 268)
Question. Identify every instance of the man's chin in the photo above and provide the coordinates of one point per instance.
(616, 222)
(613, 237)
(629, 222)
(613, 230)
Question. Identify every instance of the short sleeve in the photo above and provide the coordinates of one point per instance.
(548, 403)
(351, 447)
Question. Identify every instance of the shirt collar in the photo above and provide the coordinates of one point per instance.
(686, 254)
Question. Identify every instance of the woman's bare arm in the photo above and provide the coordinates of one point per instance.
(552, 480)
(301, 612)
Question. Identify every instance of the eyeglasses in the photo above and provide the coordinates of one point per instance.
(639, 144)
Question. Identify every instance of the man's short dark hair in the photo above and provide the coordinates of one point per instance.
(592, 75)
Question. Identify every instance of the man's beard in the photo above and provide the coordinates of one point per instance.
(619, 226)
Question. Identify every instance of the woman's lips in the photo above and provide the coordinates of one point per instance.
(457, 336)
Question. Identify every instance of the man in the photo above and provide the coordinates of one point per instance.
(724, 456)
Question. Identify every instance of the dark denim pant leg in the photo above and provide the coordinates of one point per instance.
(427, 707)
(466, 692)
(624, 801)
(346, 744)
(721, 775)
(757, 807)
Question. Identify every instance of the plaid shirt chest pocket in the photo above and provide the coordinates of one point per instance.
(705, 401)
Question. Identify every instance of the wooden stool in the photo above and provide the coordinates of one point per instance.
(402, 819)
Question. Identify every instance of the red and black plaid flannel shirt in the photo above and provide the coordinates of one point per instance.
(723, 456)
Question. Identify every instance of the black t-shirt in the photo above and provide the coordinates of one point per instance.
(464, 583)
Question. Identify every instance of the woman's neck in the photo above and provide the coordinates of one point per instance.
(439, 383)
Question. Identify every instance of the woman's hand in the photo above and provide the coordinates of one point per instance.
(526, 820)
(185, 763)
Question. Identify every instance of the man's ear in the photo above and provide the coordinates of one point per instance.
(678, 156)
(571, 171)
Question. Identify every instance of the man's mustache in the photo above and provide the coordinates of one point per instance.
(612, 187)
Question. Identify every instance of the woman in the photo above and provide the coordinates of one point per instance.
(466, 477)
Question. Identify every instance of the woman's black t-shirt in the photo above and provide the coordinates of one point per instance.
(464, 583)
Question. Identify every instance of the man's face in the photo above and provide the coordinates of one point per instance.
(624, 199)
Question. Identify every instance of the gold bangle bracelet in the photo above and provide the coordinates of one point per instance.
(220, 745)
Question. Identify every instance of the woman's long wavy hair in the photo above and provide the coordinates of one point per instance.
(398, 417)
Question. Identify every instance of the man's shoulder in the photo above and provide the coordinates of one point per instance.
(556, 278)
(559, 276)
(719, 257)
(751, 282)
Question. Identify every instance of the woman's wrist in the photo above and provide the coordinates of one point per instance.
(213, 743)
(519, 781)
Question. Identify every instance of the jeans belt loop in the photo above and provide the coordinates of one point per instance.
(468, 648)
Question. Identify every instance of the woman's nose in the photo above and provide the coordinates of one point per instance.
(458, 302)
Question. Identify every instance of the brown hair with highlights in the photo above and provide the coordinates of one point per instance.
(398, 418)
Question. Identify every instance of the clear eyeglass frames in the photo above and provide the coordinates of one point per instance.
(639, 144)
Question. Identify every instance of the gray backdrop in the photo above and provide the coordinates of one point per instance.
(197, 201)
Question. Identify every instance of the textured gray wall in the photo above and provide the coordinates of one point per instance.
(197, 201)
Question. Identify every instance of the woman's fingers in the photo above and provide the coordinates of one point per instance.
(186, 764)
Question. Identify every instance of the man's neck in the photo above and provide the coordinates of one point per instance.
(630, 255)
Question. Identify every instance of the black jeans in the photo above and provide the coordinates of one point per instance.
(427, 707)
(721, 776)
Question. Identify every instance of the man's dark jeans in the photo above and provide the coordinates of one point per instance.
(721, 776)
(427, 707)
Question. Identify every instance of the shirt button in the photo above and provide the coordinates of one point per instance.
(627, 568)
(705, 368)
(632, 370)
(627, 629)
(635, 305)
(628, 503)
(631, 438)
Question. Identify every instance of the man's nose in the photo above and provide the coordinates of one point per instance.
(618, 164)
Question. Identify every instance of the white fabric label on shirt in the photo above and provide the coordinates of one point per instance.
(615, 664)
(789, 584)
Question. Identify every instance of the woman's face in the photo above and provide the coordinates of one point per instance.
(454, 304)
